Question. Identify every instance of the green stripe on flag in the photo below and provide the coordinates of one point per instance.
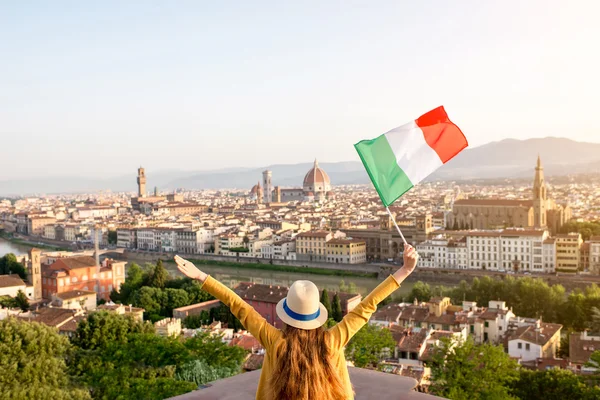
(387, 177)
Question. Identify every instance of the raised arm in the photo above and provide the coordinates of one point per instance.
(264, 332)
(360, 315)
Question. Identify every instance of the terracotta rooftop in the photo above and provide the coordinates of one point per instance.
(580, 350)
(73, 294)
(529, 333)
(390, 312)
(53, 316)
(74, 262)
(247, 342)
(12, 280)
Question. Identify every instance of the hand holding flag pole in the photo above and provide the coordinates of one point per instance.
(404, 156)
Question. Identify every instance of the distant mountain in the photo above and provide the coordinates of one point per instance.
(508, 158)
(513, 158)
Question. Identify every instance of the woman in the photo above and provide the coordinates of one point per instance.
(303, 361)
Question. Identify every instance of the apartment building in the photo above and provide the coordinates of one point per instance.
(311, 246)
(567, 252)
(346, 251)
(81, 273)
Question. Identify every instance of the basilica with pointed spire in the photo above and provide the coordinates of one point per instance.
(540, 212)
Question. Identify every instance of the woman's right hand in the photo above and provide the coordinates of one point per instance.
(410, 262)
(189, 269)
(410, 259)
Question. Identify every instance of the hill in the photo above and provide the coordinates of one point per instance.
(510, 158)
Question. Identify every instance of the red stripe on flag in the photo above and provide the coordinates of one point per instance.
(441, 134)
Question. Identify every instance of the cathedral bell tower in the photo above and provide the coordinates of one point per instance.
(539, 196)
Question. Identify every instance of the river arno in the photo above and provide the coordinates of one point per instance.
(9, 247)
(232, 276)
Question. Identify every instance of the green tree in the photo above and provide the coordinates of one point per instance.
(336, 308)
(553, 384)
(192, 322)
(462, 370)
(8, 302)
(326, 301)
(112, 237)
(159, 276)
(101, 328)
(175, 298)
(199, 372)
(369, 344)
(32, 363)
(352, 288)
(246, 240)
(21, 301)
(9, 265)
(420, 291)
(343, 286)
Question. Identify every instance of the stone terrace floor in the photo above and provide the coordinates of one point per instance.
(367, 384)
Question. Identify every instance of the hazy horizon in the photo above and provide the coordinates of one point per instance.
(97, 89)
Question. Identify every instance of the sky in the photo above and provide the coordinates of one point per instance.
(100, 88)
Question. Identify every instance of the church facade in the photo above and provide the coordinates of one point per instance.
(539, 212)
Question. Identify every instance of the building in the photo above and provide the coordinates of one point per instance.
(268, 187)
(168, 327)
(127, 238)
(280, 250)
(568, 252)
(75, 300)
(264, 299)
(528, 343)
(36, 224)
(443, 253)
(385, 243)
(141, 181)
(549, 251)
(81, 273)
(10, 285)
(584, 257)
(346, 251)
(581, 347)
(120, 309)
(316, 187)
(595, 254)
(34, 272)
(195, 309)
(539, 212)
(311, 246)
(64, 320)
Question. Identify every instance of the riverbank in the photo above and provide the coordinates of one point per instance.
(284, 268)
(22, 242)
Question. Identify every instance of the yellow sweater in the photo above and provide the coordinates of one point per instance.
(270, 337)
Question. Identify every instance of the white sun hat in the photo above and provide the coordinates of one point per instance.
(302, 308)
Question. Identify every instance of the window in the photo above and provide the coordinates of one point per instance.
(519, 345)
(487, 324)
(527, 346)
(485, 337)
(472, 328)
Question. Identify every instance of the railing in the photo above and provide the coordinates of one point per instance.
(367, 385)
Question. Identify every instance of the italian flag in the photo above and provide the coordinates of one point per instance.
(403, 157)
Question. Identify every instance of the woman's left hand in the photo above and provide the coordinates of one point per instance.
(189, 269)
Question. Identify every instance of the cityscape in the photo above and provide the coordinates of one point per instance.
(225, 134)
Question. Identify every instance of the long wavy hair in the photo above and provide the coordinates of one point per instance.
(304, 370)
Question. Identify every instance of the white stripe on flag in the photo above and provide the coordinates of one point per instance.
(413, 154)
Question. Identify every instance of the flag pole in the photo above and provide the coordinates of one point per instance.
(395, 224)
